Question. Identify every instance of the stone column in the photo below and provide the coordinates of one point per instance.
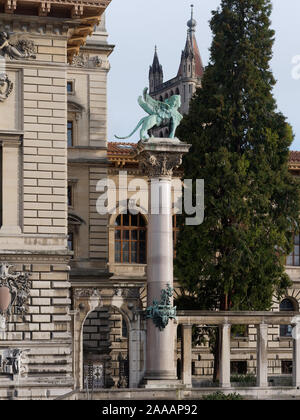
(10, 187)
(186, 354)
(225, 355)
(296, 353)
(158, 158)
(262, 355)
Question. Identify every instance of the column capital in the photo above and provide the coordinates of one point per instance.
(159, 157)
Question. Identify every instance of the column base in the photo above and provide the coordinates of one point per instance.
(161, 384)
(225, 385)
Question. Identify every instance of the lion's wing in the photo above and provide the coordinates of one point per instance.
(152, 106)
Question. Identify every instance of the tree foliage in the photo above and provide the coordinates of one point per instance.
(240, 147)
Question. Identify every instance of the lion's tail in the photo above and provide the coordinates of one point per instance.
(131, 134)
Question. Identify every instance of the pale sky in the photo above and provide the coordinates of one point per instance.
(136, 26)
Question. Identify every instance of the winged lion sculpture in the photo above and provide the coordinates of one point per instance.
(160, 113)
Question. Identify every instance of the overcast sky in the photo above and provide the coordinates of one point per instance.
(136, 26)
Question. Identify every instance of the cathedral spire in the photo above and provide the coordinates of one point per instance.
(191, 62)
(156, 75)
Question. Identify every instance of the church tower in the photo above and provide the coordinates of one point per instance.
(156, 75)
(188, 77)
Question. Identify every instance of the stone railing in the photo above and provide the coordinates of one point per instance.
(224, 320)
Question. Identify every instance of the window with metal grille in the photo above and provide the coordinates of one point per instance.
(130, 239)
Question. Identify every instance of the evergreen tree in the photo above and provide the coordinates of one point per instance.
(240, 147)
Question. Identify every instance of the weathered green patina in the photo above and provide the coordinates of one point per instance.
(160, 114)
(162, 311)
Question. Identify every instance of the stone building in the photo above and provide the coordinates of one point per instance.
(188, 77)
(84, 326)
(47, 96)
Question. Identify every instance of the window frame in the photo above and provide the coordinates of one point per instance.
(119, 259)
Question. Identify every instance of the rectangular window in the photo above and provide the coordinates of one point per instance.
(70, 241)
(294, 257)
(286, 367)
(238, 367)
(70, 87)
(70, 196)
(70, 133)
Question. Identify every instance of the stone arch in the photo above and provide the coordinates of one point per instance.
(105, 350)
(128, 303)
(293, 295)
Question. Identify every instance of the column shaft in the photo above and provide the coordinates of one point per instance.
(186, 354)
(296, 355)
(225, 355)
(160, 344)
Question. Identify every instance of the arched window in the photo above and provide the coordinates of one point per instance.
(161, 98)
(166, 96)
(177, 92)
(294, 257)
(130, 239)
(286, 305)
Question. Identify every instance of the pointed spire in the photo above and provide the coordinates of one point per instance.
(155, 73)
(191, 50)
(192, 22)
(155, 65)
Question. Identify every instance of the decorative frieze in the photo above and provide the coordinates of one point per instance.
(19, 50)
(84, 60)
(87, 293)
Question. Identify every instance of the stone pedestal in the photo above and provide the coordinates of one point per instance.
(158, 158)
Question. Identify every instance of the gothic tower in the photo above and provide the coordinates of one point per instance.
(156, 75)
(188, 77)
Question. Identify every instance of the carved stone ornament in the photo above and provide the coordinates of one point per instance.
(157, 164)
(127, 293)
(86, 293)
(12, 361)
(14, 290)
(84, 60)
(6, 87)
(162, 311)
(18, 49)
